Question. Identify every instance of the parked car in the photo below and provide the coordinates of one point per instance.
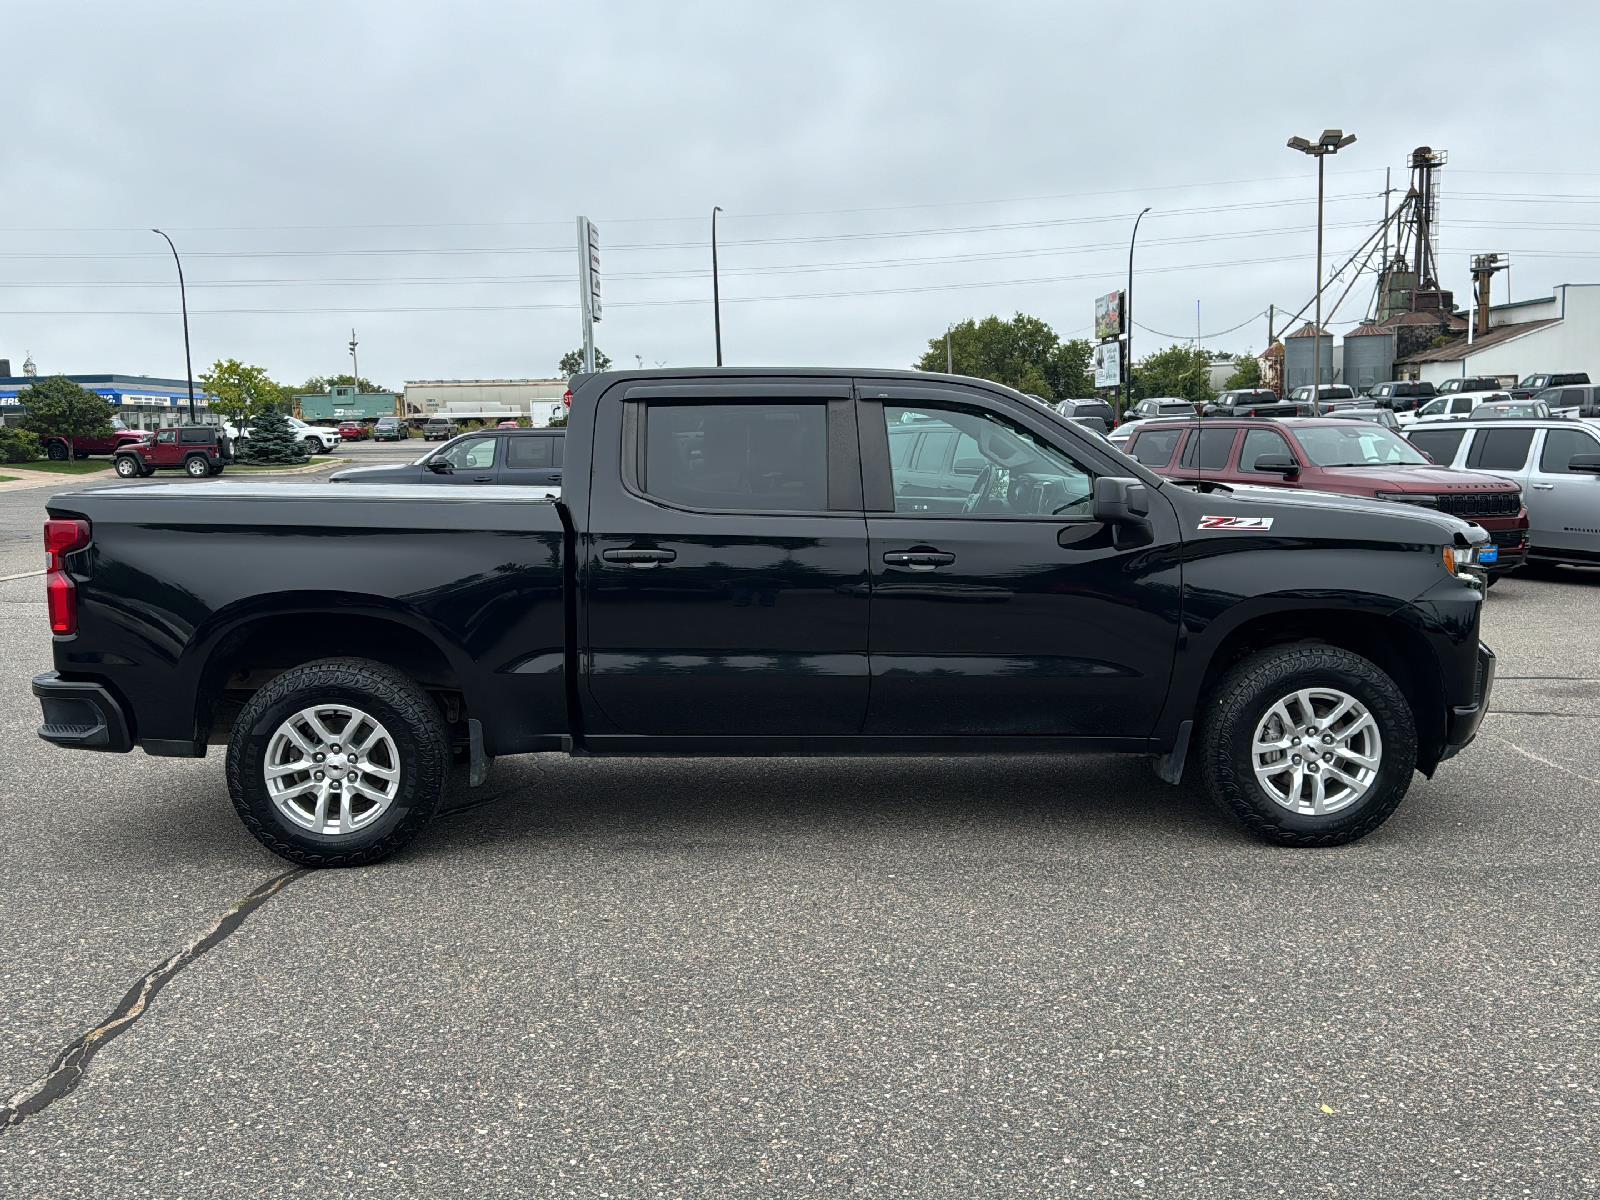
(1530, 385)
(1471, 383)
(56, 448)
(1378, 416)
(1557, 464)
(1400, 395)
(1085, 409)
(1332, 454)
(1572, 400)
(1249, 402)
(1161, 406)
(390, 429)
(506, 425)
(315, 439)
(1532, 410)
(353, 431)
(523, 457)
(1454, 406)
(744, 568)
(439, 429)
(1326, 394)
(198, 450)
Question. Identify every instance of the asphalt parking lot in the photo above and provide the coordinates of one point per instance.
(641, 978)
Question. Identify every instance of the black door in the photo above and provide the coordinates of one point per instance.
(1012, 613)
(532, 459)
(726, 575)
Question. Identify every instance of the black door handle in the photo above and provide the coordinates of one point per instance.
(555, 477)
(639, 558)
(483, 479)
(919, 560)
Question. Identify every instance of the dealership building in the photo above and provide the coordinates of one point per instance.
(142, 401)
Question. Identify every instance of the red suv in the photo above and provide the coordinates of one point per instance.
(82, 447)
(1326, 454)
(353, 431)
(199, 450)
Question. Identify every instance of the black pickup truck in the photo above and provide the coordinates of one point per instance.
(768, 563)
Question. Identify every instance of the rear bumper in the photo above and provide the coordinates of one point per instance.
(80, 715)
(1462, 724)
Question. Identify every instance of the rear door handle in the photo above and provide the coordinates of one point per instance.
(555, 477)
(918, 560)
(639, 558)
(1544, 487)
(483, 479)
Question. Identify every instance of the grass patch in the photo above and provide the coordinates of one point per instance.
(8, 478)
(85, 466)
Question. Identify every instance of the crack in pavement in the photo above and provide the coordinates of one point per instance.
(72, 1064)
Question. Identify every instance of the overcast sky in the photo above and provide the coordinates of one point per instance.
(884, 166)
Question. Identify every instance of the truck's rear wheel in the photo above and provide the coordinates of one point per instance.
(338, 762)
(1308, 745)
(196, 466)
(56, 451)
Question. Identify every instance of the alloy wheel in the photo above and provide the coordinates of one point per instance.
(1317, 751)
(332, 769)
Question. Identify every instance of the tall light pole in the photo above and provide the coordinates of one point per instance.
(716, 294)
(1127, 313)
(355, 367)
(949, 355)
(183, 300)
(1331, 142)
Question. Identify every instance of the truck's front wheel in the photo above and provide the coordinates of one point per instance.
(1308, 745)
(339, 762)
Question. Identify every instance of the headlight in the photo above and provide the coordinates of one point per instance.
(1422, 498)
(1457, 559)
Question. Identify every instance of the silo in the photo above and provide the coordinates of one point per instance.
(1299, 348)
(1368, 357)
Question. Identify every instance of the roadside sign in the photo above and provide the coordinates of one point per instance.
(588, 284)
(1108, 364)
(1108, 316)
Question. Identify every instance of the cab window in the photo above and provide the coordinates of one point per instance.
(1434, 407)
(1500, 450)
(471, 454)
(1154, 447)
(741, 457)
(1208, 450)
(1561, 445)
(1262, 443)
(1438, 444)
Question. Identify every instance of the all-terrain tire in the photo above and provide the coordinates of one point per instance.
(1238, 704)
(128, 467)
(398, 703)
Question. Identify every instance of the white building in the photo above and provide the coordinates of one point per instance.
(485, 399)
(1559, 332)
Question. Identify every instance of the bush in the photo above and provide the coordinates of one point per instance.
(272, 440)
(18, 445)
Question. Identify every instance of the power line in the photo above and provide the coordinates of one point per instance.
(1205, 337)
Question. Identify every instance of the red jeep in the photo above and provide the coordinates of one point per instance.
(199, 450)
(1326, 454)
(83, 447)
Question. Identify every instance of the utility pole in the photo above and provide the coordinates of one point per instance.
(716, 292)
(949, 358)
(355, 367)
(1331, 142)
(183, 300)
(1127, 316)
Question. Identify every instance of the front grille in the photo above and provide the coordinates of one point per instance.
(1481, 504)
(1508, 537)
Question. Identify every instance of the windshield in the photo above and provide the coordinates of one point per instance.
(1349, 446)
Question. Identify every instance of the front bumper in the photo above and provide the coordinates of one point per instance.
(1462, 724)
(80, 715)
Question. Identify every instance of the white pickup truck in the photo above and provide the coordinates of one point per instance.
(318, 439)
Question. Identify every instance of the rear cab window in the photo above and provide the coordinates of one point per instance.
(1209, 449)
(739, 457)
(1500, 450)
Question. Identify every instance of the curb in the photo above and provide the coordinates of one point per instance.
(28, 479)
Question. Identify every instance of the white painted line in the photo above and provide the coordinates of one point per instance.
(22, 575)
(1538, 758)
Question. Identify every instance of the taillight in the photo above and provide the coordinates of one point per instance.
(61, 538)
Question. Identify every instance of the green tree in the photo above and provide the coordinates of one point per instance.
(321, 385)
(240, 391)
(1246, 372)
(572, 361)
(18, 445)
(57, 407)
(271, 439)
(1023, 352)
(1176, 371)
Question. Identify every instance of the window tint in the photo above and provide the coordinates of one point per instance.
(1259, 443)
(1438, 444)
(530, 452)
(194, 437)
(746, 457)
(900, 443)
(1209, 449)
(1433, 407)
(1500, 449)
(1017, 473)
(1561, 444)
(934, 451)
(1154, 447)
(471, 454)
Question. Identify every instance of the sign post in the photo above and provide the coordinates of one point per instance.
(588, 284)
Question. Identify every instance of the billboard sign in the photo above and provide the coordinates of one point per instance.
(1108, 317)
(1108, 364)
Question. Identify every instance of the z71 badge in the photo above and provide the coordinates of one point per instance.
(1237, 524)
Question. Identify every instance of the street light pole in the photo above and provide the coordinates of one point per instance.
(355, 367)
(716, 294)
(1127, 315)
(949, 356)
(183, 300)
(1331, 142)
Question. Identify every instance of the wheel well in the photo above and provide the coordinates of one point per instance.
(1400, 651)
(250, 656)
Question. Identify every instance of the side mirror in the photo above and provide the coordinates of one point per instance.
(1120, 501)
(1584, 464)
(440, 466)
(1276, 464)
